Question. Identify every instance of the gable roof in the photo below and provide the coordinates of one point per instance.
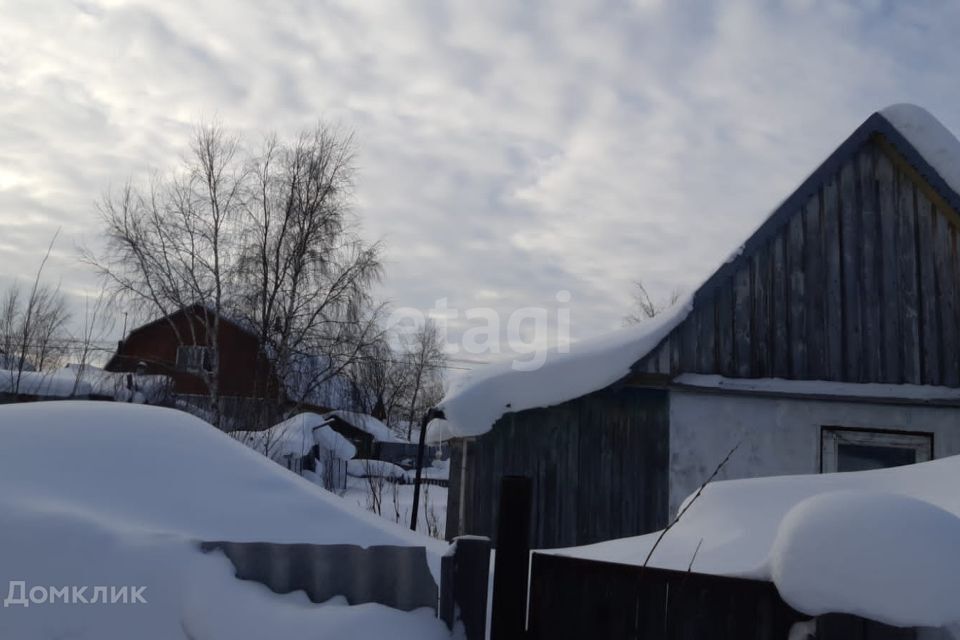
(908, 128)
(197, 310)
(473, 406)
(912, 132)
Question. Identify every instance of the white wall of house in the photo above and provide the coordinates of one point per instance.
(781, 436)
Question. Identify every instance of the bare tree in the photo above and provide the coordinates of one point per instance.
(95, 325)
(380, 382)
(264, 239)
(426, 361)
(33, 326)
(645, 307)
(305, 271)
(173, 246)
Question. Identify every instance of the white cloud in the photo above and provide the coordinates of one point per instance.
(506, 150)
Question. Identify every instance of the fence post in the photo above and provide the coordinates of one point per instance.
(512, 563)
(464, 576)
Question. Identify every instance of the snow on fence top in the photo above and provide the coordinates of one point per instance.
(483, 396)
(879, 544)
(367, 423)
(930, 138)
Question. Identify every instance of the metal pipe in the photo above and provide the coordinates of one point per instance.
(427, 417)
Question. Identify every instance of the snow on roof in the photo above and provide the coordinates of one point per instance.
(938, 146)
(779, 386)
(485, 394)
(296, 436)
(367, 423)
(43, 384)
(113, 384)
(131, 488)
(880, 544)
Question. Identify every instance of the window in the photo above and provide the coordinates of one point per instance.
(862, 449)
(195, 358)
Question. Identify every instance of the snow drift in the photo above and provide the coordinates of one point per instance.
(881, 544)
(117, 494)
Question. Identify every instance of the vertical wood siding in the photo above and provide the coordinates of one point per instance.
(859, 285)
(598, 464)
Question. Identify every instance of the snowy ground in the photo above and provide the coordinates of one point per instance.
(115, 495)
(396, 503)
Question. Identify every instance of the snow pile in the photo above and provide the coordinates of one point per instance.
(296, 436)
(116, 494)
(484, 395)
(932, 140)
(902, 545)
(881, 544)
(367, 423)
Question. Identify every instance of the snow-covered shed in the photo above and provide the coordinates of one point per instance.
(830, 341)
(363, 430)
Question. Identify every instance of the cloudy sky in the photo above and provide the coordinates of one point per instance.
(507, 150)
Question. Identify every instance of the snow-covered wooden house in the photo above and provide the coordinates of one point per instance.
(830, 341)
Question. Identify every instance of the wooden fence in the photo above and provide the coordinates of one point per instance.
(574, 598)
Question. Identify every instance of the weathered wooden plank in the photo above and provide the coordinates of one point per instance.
(663, 357)
(908, 278)
(929, 316)
(833, 291)
(815, 287)
(778, 299)
(742, 313)
(892, 370)
(726, 360)
(762, 328)
(952, 361)
(946, 302)
(688, 343)
(796, 297)
(870, 269)
(850, 244)
(706, 338)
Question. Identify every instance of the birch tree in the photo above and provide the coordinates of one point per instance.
(264, 238)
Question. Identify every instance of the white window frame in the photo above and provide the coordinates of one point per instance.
(193, 358)
(831, 437)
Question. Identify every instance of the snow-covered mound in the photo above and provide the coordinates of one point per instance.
(902, 546)
(481, 397)
(296, 436)
(115, 494)
(882, 544)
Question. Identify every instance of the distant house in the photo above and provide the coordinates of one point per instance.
(178, 346)
(830, 341)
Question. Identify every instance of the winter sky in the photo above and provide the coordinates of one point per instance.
(507, 150)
